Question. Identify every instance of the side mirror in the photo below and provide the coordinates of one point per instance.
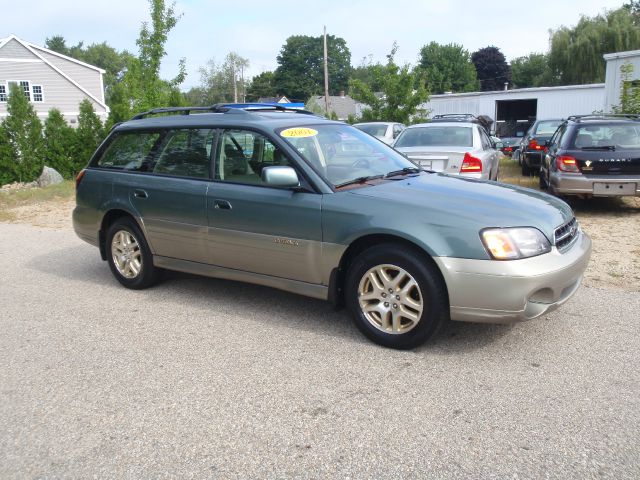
(280, 176)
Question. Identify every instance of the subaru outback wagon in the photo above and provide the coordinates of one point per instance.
(316, 207)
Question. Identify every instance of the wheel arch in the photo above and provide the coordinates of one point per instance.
(107, 220)
(359, 245)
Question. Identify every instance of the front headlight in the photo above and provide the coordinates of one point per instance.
(514, 243)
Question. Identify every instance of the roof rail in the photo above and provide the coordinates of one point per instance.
(221, 108)
(603, 116)
(483, 120)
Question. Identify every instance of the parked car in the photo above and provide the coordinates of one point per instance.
(594, 155)
(510, 145)
(532, 146)
(456, 147)
(293, 201)
(385, 131)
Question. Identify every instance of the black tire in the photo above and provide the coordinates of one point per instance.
(430, 290)
(147, 274)
(526, 171)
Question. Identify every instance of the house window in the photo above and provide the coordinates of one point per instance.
(3, 93)
(37, 93)
(25, 86)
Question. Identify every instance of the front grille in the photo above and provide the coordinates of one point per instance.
(566, 234)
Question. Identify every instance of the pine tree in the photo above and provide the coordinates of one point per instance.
(89, 135)
(8, 164)
(59, 141)
(23, 132)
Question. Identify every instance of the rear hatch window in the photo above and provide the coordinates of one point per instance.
(608, 149)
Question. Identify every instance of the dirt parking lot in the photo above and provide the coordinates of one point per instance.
(612, 223)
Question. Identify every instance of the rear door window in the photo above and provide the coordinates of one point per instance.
(185, 153)
(128, 151)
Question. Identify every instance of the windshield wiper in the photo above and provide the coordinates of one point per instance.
(600, 147)
(404, 171)
(359, 180)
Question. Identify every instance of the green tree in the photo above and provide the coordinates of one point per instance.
(7, 158)
(23, 132)
(492, 68)
(575, 56)
(262, 85)
(60, 144)
(529, 71)
(300, 71)
(89, 135)
(57, 43)
(221, 83)
(629, 92)
(447, 68)
(400, 101)
(143, 87)
(368, 73)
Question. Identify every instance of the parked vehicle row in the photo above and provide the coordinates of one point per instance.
(294, 201)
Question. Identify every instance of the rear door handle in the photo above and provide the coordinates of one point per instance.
(140, 194)
(221, 204)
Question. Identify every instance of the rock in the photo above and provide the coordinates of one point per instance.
(49, 176)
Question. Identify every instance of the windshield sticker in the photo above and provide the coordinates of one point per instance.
(298, 132)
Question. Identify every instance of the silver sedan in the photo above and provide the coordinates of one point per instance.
(460, 148)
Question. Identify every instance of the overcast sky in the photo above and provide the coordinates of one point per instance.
(258, 29)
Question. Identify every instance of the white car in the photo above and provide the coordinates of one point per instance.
(456, 147)
(385, 131)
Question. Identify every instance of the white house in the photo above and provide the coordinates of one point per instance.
(49, 79)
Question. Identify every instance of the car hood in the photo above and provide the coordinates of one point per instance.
(473, 203)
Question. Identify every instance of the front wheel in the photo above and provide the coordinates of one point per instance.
(396, 296)
(129, 256)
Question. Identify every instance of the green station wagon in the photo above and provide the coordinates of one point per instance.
(293, 201)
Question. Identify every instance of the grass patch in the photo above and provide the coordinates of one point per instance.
(510, 172)
(29, 196)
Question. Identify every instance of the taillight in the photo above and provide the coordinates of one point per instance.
(567, 163)
(471, 164)
(533, 145)
(79, 178)
(508, 149)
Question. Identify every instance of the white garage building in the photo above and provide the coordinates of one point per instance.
(515, 110)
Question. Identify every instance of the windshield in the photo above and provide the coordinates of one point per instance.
(441, 136)
(547, 128)
(342, 153)
(373, 129)
(599, 136)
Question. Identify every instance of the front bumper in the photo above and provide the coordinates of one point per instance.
(578, 184)
(493, 291)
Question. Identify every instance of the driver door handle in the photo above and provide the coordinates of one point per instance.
(138, 193)
(221, 204)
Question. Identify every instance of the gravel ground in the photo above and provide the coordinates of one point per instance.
(202, 378)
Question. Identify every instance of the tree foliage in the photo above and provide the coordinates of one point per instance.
(60, 144)
(262, 85)
(368, 73)
(575, 56)
(220, 83)
(400, 100)
(491, 68)
(447, 68)
(89, 135)
(300, 71)
(629, 92)
(22, 132)
(529, 71)
(141, 87)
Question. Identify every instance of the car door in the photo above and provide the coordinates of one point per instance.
(255, 227)
(171, 196)
(489, 156)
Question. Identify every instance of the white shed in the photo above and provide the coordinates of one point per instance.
(613, 76)
(515, 110)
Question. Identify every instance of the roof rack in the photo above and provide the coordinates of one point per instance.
(604, 116)
(221, 108)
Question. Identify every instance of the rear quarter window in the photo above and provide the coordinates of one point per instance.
(128, 151)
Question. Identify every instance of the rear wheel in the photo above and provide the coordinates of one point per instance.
(396, 296)
(543, 180)
(129, 256)
(526, 171)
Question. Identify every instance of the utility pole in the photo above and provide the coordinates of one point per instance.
(326, 74)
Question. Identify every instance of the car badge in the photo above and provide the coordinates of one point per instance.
(588, 163)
